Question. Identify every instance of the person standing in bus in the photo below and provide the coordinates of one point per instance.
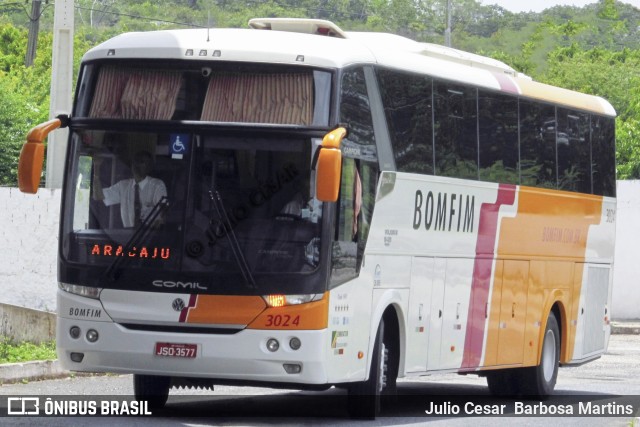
(137, 196)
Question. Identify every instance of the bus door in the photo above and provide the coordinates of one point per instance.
(513, 311)
(419, 313)
(436, 314)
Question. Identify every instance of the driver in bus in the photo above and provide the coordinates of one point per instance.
(137, 196)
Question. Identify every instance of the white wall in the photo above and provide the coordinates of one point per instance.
(626, 272)
(28, 247)
(29, 244)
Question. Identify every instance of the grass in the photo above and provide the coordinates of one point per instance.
(11, 352)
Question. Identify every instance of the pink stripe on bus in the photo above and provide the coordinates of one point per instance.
(482, 271)
(507, 84)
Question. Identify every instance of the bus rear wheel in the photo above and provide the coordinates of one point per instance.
(153, 389)
(539, 381)
(364, 397)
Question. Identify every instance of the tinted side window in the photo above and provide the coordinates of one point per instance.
(498, 133)
(537, 145)
(408, 110)
(603, 155)
(574, 151)
(456, 133)
(355, 111)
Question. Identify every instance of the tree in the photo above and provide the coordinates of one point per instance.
(14, 119)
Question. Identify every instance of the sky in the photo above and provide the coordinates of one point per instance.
(540, 5)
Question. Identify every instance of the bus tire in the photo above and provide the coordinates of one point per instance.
(153, 389)
(364, 397)
(539, 381)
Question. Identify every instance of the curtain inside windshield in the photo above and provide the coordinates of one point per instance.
(260, 98)
(233, 94)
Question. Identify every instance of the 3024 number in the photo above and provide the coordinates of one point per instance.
(282, 320)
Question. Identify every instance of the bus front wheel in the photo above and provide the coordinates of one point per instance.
(153, 389)
(364, 397)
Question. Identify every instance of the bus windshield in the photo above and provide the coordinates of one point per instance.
(202, 212)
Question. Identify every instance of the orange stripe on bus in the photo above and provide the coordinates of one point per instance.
(226, 309)
(550, 233)
(309, 316)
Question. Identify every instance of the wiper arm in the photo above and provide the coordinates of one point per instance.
(233, 240)
(138, 236)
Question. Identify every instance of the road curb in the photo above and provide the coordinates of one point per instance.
(31, 371)
(620, 328)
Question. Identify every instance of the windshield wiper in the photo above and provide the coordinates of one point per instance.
(138, 236)
(233, 240)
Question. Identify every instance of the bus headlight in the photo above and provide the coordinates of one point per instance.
(83, 291)
(282, 300)
(273, 345)
(92, 335)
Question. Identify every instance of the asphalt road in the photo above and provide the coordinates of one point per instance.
(613, 378)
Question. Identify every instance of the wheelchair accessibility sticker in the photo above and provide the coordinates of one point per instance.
(179, 144)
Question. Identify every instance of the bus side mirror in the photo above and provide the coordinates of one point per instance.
(329, 166)
(32, 156)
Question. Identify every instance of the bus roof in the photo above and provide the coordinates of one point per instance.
(321, 43)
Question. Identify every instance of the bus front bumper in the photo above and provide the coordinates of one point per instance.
(240, 356)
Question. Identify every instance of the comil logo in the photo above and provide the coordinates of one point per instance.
(178, 285)
(23, 406)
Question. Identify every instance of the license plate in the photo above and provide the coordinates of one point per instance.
(169, 349)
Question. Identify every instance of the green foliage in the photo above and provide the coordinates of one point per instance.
(628, 148)
(11, 352)
(612, 75)
(593, 49)
(608, 10)
(13, 122)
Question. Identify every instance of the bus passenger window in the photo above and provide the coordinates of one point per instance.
(498, 133)
(537, 145)
(408, 110)
(574, 156)
(603, 156)
(455, 128)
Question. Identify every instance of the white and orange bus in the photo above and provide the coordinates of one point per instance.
(330, 208)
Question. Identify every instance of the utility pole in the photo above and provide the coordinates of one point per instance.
(447, 31)
(34, 29)
(61, 84)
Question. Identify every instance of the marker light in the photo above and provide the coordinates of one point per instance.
(292, 368)
(277, 300)
(77, 357)
(295, 343)
(74, 332)
(273, 345)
